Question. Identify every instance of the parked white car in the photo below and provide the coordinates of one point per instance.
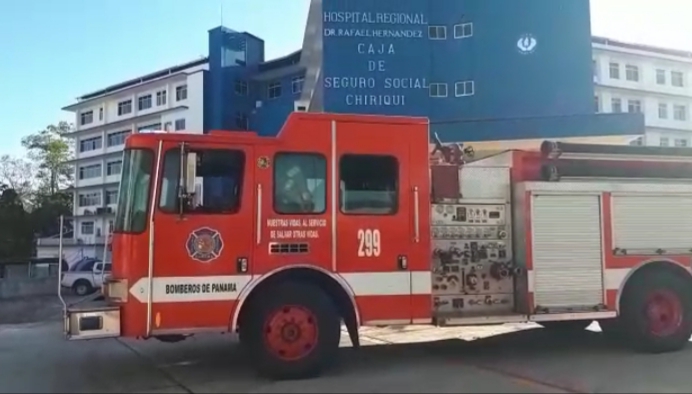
(86, 278)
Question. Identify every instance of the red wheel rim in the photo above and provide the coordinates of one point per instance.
(663, 313)
(291, 332)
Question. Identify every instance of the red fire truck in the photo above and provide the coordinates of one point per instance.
(355, 221)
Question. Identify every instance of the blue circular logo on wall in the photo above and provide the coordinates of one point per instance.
(527, 44)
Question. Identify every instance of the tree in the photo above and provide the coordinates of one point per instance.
(16, 234)
(50, 149)
(18, 175)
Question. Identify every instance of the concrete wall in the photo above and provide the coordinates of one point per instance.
(28, 287)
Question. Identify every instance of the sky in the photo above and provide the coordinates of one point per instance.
(56, 50)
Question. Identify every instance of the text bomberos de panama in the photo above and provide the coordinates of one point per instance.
(295, 228)
(201, 288)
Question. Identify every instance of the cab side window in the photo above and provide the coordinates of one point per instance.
(218, 177)
(368, 185)
(300, 183)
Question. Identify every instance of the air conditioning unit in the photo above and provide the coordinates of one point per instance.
(300, 106)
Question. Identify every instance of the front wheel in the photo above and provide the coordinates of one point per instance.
(656, 312)
(292, 332)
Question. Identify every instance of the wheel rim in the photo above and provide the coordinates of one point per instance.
(81, 289)
(291, 332)
(663, 312)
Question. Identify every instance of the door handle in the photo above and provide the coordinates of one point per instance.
(242, 265)
(402, 262)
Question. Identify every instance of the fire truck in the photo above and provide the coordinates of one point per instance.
(352, 221)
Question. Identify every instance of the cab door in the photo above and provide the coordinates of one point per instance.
(201, 252)
(374, 227)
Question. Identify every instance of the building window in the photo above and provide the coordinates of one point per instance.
(124, 107)
(90, 171)
(634, 106)
(677, 79)
(111, 197)
(144, 102)
(92, 199)
(680, 112)
(87, 228)
(368, 192)
(661, 77)
(100, 113)
(616, 105)
(241, 87)
(438, 90)
(664, 141)
(181, 93)
(221, 169)
(437, 32)
(662, 111)
(111, 225)
(90, 144)
(180, 124)
(632, 73)
(149, 127)
(300, 183)
(114, 167)
(274, 90)
(463, 30)
(464, 88)
(594, 69)
(596, 104)
(117, 138)
(614, 70)
(297, 84)
(680, 142)
(86, 117)
(241, 121)
(161, 97)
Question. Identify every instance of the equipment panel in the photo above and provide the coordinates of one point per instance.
(468, 214)
(473, 270)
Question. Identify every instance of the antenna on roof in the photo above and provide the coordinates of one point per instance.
(221, 11)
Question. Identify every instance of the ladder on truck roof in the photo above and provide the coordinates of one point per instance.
(587, 161)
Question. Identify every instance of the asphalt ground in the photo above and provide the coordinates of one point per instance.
(34, 357)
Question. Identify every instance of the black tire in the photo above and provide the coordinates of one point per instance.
(320, 314)
(566, 325)
(636, 325)
(82, 287)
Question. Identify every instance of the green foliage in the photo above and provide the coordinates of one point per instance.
(16, 234)
(33, 190)
(50, 150)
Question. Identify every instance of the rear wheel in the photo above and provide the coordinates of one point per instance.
(82, 287)
(656, 312)
(292, 332)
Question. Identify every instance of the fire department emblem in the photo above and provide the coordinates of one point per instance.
(263, 162)
(204, 244)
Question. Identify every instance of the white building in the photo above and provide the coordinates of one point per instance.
(640, 78)
(170, 99)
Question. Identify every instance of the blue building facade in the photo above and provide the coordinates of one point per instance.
(479, 69)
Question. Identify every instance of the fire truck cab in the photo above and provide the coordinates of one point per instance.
(351, 220)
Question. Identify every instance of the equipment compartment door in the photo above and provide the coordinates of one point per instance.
(201, 254)
(567, 255)
(373, 227)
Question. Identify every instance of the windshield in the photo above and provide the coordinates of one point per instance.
(133, 198)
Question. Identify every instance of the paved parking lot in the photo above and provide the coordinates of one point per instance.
(35, 358)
